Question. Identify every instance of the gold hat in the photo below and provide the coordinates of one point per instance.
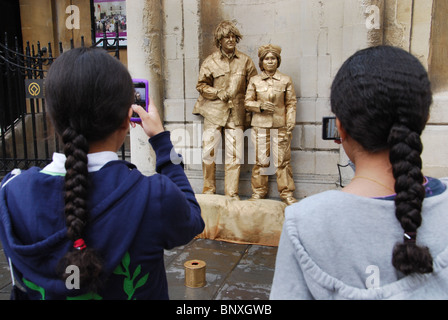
(263, 50)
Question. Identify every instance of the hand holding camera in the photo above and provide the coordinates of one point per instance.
(144, 111)
(141, 96)
(150, 121)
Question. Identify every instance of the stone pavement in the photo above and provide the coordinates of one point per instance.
(233, 271)
(5, 279)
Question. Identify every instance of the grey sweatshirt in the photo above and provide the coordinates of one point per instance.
(336, 245)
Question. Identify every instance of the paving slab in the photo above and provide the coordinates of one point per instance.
(233, 271)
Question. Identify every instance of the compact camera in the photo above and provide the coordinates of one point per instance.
(329, 129)
(141, 97)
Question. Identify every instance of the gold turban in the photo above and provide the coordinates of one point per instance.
(264, 50)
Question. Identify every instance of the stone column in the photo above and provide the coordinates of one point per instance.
(181, 36)
(144, 21)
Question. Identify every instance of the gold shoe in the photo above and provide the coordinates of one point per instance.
(256, 196)
(289, 200)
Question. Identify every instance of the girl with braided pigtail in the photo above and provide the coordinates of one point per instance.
(341, 244)
(88, 225)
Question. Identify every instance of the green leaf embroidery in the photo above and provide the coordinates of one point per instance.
(128, 287)
(142, 281)
(119, 270)
(136, 272)
(35, 287)
(128, 282)
(86, 296)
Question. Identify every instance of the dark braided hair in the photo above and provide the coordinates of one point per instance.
(88, 95)
(382, 96)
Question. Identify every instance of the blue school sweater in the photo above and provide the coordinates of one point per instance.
(133, 218)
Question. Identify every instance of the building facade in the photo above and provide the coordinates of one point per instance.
(167, 40)
(316, 37)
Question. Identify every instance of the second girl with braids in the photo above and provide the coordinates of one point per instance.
(384, 235)
(87, 210)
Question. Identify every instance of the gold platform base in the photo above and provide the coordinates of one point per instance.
(241, 221)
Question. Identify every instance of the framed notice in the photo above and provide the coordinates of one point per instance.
(109, 16)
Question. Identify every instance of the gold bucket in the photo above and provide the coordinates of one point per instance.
(194, 273)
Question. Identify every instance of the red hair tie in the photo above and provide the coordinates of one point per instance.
(79, 244)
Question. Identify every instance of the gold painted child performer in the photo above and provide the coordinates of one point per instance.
(222, 83)
(272, 100)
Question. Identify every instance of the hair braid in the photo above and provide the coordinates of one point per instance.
(76, 149)
(389, 88)
(405, 151)
(76, 184)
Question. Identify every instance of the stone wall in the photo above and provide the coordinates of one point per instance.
(168, 40)
(421, 27)
(316, 37)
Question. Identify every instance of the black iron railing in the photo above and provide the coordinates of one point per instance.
(26, 136)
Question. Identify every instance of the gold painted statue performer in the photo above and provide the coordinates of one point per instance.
(222, 83)
(272, 100)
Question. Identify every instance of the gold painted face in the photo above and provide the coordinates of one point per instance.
(270, 63)
(228, 43)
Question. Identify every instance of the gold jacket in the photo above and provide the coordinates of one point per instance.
(217, 73)
(279, 90)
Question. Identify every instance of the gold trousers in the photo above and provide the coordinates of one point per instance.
(281, 149)
(234, 155)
